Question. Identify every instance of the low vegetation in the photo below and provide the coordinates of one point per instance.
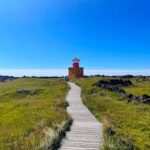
(33, 114)
(141, 85)
(126, 125)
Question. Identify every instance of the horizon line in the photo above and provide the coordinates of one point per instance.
(64, 72)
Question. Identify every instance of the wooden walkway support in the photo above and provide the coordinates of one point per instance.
(86, 132)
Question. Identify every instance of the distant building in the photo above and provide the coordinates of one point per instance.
(76, 71)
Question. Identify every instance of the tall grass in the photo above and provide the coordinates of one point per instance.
(126, 125)
(32, 121)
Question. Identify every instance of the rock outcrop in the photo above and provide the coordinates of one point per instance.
(114, 85)
(141, 99)
(114, 82)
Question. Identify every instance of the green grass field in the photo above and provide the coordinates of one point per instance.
(35, 120)
(126, 125)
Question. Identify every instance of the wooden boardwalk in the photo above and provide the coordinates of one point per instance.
(86, 131)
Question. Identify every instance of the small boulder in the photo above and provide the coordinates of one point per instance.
(146, 101)
(130, 96)
(25, 92)
(146, 96)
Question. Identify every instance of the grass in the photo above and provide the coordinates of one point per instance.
(32, 121)
(126, 125)
(140, 86)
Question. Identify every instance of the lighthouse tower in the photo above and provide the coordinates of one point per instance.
(76, 71)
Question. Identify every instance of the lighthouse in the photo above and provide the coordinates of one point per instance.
(76, 71)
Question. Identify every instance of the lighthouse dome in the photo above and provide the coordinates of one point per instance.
(76, 60)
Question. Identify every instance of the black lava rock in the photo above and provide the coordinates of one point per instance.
(114, 86)
(117, 82)
(25, 92)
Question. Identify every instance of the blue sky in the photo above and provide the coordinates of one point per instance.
(47, 34)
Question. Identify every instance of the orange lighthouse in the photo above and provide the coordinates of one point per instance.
(76, 71)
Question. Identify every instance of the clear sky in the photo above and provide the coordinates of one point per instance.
(47, 34)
